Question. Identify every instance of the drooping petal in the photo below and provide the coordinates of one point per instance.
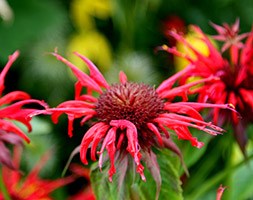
(183, 109)
(155, 130)
(184, 133)
(98, 137)
(133, 145)
(109, 144)
(98, 128)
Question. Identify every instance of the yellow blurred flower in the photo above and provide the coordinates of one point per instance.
(197, 43)
(84, 11)
(87, 40)
(195, 40)
(94, 46)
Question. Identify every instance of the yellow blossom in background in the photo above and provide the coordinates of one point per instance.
(197, 43)
(195, 40)
(93, 45)
(84, 11)
(87, 40)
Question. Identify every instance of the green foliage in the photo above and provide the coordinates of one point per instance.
(134, 188)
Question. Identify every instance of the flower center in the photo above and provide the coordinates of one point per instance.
(136, 102)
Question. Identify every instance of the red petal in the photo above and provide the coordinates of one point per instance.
(122, 77)
(86, 80)
(94, 72)
(133, 145)
(98, 128)
(12, 58)
(14, 96)
(109, 143)
(154, 129)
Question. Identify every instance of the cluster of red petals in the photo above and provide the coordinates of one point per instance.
(176, 117)
(234, 84)
(11, 108)
(31, 186)
(11, 105)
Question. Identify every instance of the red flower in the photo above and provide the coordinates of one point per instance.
(131, 117)
(229, 35)
(11, 109)
(32, 186)
(235, 84)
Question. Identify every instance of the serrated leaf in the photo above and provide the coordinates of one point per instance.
(103, 189)
(135, 189)
(171, 185)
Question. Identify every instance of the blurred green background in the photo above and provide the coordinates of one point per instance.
(115, 35)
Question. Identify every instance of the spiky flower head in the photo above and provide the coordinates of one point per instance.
(131, 118)
(234, 71)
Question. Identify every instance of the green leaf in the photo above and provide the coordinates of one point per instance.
(102, 188)
(135, 189)
(242, 182)
(171, 185)
(192, 154)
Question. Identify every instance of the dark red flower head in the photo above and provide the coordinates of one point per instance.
(11, 109)
(235, 78)
(130, 118)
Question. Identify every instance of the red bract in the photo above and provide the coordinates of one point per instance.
(131, 118)
(220, 191)
(11, 109)
(235, 77)
(32, 186)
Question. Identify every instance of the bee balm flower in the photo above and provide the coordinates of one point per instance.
(234, 70)
(130, 118)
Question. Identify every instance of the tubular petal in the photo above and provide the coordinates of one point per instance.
(88, 138)
(14, 96)
(122, 77)
(94, 72)
(154, 129)
(81, 76)
(3, 73)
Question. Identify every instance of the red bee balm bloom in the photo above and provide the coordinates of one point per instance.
(235, 84)
(13, 111)
(32, 186)
(131, 117)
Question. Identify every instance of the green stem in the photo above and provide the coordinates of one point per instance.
(3, 188)
(228, 178)
(215, 180)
